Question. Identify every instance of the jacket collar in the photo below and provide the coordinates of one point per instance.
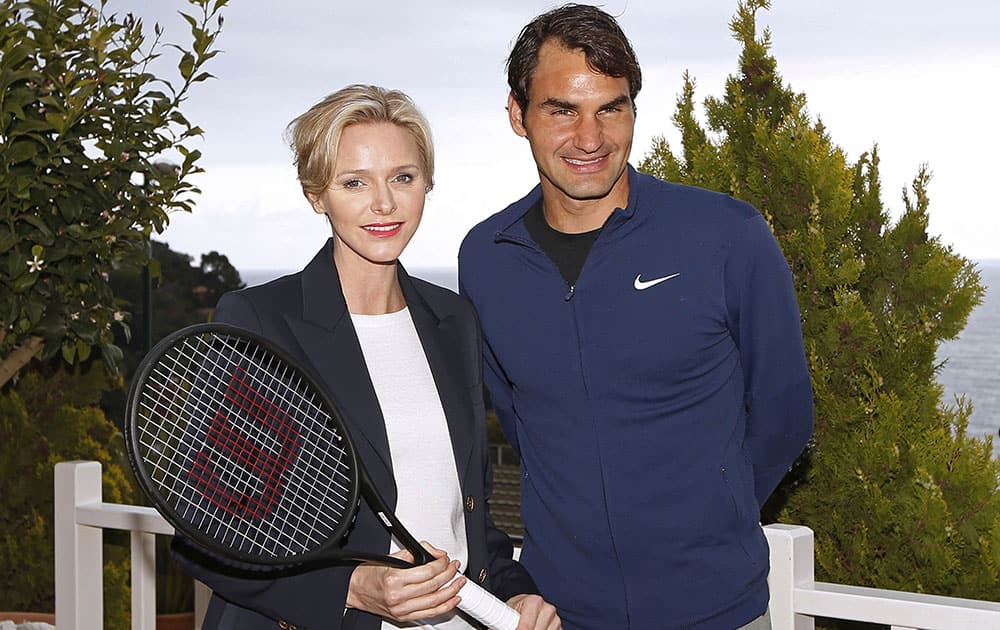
(323, 302)
(327, 336)
(512, 226)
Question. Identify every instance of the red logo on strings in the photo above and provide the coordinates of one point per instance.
(266, 465)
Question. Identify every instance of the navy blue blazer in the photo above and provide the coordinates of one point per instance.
(306, 315)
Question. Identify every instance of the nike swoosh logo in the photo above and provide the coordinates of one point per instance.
(642, 285)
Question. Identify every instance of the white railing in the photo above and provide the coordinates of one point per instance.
(796, 598)
(80, 517)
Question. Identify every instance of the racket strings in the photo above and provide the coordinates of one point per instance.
(260, 461)
(241, 448)
(259, 437)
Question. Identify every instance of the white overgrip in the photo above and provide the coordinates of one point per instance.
(485, 608)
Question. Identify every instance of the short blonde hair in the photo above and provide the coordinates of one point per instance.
(315, 135)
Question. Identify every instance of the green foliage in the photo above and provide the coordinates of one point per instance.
(51, 415)
(899, 495)
(182, 294)
(494, 434)
(85, 129)
(63, 425)
(174, 587)
(82, 123)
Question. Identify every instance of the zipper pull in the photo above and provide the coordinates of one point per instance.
(569, 296)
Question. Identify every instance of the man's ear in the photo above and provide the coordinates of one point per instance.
(516, 116)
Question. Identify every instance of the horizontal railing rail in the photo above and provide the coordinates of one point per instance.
(80, 517)
(796, 598)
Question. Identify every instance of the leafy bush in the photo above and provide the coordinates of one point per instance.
(82, 123)
(64, 424)
(84, 129)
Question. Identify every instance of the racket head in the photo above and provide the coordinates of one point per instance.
(240, 448)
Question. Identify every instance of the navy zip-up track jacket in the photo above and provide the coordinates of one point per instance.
(655, 404)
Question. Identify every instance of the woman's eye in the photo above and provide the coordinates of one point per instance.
(352, 183)
(404, 178)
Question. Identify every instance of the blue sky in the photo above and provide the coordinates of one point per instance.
(917, 77)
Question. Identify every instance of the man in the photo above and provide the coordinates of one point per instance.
(643, 352)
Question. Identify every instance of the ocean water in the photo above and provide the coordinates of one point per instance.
(971, 363)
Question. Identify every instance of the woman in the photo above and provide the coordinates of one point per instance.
(402, 359)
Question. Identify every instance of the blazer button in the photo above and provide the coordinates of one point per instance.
(482, 576)
(284, 625)
(470, 503)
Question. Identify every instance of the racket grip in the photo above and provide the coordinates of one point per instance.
(485, 608)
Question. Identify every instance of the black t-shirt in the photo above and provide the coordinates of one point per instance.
(567, 251)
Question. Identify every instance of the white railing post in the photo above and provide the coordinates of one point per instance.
(78, 549)
(791, 566)
(143, 546)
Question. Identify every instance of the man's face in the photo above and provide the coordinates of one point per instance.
(579, 124)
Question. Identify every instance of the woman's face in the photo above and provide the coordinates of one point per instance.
(376, 197)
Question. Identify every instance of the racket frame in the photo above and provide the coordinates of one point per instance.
(482, 605)
(331, 548)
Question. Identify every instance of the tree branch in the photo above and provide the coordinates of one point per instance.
(19, 358)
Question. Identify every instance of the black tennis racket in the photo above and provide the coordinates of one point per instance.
(241, 451)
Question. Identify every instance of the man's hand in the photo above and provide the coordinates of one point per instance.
(407, 594)
(536, 613)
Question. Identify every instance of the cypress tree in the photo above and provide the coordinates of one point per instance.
(899, 495)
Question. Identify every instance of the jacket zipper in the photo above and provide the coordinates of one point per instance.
(501, 236)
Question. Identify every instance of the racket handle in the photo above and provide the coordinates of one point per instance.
(485, 608)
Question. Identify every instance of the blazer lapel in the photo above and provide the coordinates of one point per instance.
(441, 340)
(327, 337)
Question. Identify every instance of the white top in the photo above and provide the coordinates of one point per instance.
(429, 500)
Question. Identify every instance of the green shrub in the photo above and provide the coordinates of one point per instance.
(899, 495)
(63, 424)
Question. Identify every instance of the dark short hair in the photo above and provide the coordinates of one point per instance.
(575, 27)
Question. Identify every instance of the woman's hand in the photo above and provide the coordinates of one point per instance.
(536, 613)
(407, 594)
